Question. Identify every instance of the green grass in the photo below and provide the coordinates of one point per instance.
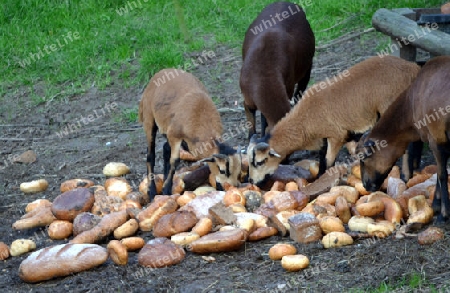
(409, 283)
(129, 115)
(152, 35)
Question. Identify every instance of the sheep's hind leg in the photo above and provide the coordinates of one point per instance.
(250, 113)
(175, 145)
(302, 84)
(151, 162)
(441, 202)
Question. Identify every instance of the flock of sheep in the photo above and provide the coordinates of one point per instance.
(382, 98)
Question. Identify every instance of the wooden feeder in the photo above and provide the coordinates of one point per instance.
(410, 29)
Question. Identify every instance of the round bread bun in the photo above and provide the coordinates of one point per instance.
(233, 196)
(118, 186)
(331, 224)
(294, 263)
(279, 250)
(75, 183)
(115, 169)
(60, 229)
(4, 251)
(291, 186)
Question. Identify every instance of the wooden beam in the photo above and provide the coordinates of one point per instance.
(407, 31)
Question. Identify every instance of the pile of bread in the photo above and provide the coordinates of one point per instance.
(334, 209)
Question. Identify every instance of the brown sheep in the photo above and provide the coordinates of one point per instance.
(277, 53)
(178, 105)
(420, 113)
(331, 113)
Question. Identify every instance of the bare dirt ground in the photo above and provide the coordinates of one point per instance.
(82, 154)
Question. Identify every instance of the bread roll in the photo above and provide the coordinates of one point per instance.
(133, 243)
(4, 251)
(75, 183)
(21, 246)
(34, 186)
(294, 263)
(60, 229)
(336, 239)
(37, 203)
(279, 250)
(61, 260)
(115, 169)
(117, 252)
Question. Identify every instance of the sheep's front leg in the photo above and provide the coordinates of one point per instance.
(175, 145)
(334, 146)
(441, 202)
(322, 157)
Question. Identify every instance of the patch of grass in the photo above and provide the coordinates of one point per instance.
(127, 115)
(407, 283)
(99, 42)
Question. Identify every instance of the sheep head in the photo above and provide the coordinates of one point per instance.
(226, 168)
(263, 162)
(376, 161)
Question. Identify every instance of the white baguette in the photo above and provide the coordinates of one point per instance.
(61, 260)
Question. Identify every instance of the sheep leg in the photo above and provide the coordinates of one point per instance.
(322, 157)
(441, 202)
(175, 145)
(415, 155)
(250, 113)
(151, 161)
(334, 145)
(302, 84)
(263, 125)
(166, 158)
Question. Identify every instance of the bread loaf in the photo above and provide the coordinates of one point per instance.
(61, 260)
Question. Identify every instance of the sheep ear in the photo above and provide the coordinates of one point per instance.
(369, 143)
(220, 157)
(254, 139)
(273, 153)
(207, 160)
(262, 147)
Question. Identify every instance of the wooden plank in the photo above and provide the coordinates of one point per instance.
(408, 32)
